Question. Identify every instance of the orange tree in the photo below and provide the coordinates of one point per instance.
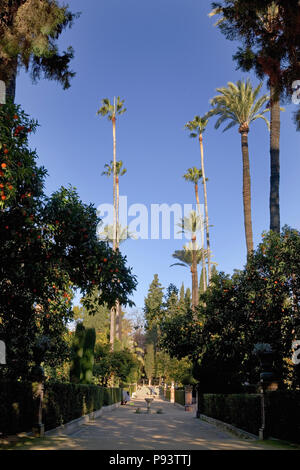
(48, 248)
(259, 304)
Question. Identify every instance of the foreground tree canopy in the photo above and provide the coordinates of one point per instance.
(48, 247)
(259, 304)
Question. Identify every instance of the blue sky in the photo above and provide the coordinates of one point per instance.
(165, 58)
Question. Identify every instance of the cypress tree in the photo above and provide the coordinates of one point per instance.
(77, 353)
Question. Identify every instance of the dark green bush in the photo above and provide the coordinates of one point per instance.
(180, 397)
(285, 415)
(242, 411)
(16, 407)
(111, 396)
(63, 402)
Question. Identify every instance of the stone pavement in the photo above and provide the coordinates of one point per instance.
(124, 429)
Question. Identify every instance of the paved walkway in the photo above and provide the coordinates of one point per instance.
(124, 429)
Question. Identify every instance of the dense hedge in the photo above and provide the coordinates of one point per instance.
(16, 407)
(63, 402)
(242, 411)
(284, 410)
(180, 397)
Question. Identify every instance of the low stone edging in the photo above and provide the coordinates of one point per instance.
(229, 427)
(75, 423)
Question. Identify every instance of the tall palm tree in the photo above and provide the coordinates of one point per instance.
(191, 225)
(112, 111)
(186, 258)
(193, 175)
(197, 128)
(268, 21)
(240, 105)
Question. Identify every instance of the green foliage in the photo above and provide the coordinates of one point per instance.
(122, 365)
(259, 304)
(265, 32)
(48, 248)
(63, 402)
(238, 103)
(83, 355)
(242, 411)
(154, 303)
(29, 30)
(149, 364)
(180, 397)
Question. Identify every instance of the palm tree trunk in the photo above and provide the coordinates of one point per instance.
(247, 191)
(118, 326)
(202, 237)
(195, 295)
(114, 182)
(113, 310)
(112, 327)
(275, 163)
(206, 208)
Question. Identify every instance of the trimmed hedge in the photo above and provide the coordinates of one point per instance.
(284, 410)
(62, 403)
(180, 397)
(242, 411)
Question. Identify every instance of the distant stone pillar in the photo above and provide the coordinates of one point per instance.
(165, 390)
(172, 394)
(188, 397)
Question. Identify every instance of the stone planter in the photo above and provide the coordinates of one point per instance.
(188, 397)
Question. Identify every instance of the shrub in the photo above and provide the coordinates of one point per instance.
(242, 411)
(180, 397)
(62, 403)
(284, 407)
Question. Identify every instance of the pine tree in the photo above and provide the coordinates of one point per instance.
(29, 30)
(154, 303)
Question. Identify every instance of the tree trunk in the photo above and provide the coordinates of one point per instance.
(112, 327)
(10, 82)
(113, 310)
(206, 209)
(202, 237)
(118, 306)
(275, 163)
(247, 192)
(195, 295)
(114, 183)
